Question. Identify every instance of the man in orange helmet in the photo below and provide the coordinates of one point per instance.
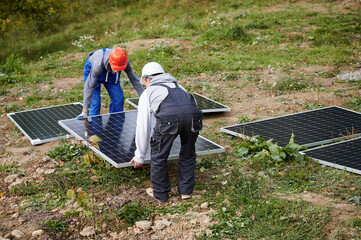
(104, 67)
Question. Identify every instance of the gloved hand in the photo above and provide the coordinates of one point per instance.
(82, 115)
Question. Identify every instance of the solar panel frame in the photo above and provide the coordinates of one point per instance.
(337, 149)
(77, 132)
(221, 107)
(44, 123)
(241, 134)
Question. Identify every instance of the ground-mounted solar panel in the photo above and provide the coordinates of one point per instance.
(117, 134)
(41, 125)
(342, 155)
(206, 105)
(310, 128)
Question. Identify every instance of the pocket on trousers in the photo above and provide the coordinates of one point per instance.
(155, 144)
(197, 123)
(168, 124)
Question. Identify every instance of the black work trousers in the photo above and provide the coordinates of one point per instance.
(166, 130)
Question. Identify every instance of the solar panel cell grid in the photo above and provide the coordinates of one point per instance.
(206, 105)
(310, 128)
(117, 132)
(41, 125)
(342, 155)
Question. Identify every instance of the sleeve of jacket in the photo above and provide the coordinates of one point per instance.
(134, 79)
(143, 131)
(91, 81)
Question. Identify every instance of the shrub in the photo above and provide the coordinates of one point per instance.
(13, 64)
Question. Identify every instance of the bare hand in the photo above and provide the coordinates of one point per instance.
(136, 164)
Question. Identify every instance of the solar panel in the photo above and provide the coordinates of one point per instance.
(117, 132)
(41, 125)
(343, 155)
(206, 105)
(310, 128)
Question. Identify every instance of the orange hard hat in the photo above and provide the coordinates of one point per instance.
(118, 59)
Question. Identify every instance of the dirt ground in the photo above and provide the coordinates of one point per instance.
(252, 101)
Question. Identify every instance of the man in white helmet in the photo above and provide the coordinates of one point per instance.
(176, 113)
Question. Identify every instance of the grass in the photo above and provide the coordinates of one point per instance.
(229, 41)
(9, 168)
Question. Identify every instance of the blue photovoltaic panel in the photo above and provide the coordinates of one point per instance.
(310, 128)
(204, 104)
(117, 132)
(41, 125)
(343, 155)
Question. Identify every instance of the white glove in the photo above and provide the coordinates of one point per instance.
(82, 115)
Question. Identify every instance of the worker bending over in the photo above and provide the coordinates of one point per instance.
(176, 113)
(104, 67)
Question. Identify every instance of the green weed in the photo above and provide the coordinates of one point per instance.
(211, 162)
(132, 212)
(4, 92)
(13, 64)
(10, 108)
(356, 200)
(271, 218)
(313, 105)
(55, 228)
(29, 189)
(243, 119)
(262, 149)
(289, 84)
(9, 168)
(227, 33)
(176, 209)
(67, 152)
(355, 104)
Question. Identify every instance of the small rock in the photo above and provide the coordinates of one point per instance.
(37, 233)
(17, 182)
(204, 205)
(11, 178)
(145, 225)
(1, 238)
(40, 170)
(350, 76)
(88, 231)
(104, 227)
(54, 162)
(114, 235)
(196, 196)
(49, 171)
(13, 205)
(17, 234)
(161, 224)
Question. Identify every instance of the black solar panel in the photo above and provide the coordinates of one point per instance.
(310, 128)
(41, 125)
(117, 132)
(343, 155)
(205, 104)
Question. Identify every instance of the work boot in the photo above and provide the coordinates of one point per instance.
(185, 197)
(150, 193)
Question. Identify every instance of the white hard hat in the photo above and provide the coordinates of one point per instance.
(149, 69)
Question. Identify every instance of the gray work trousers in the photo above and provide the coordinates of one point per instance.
(166, 130)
